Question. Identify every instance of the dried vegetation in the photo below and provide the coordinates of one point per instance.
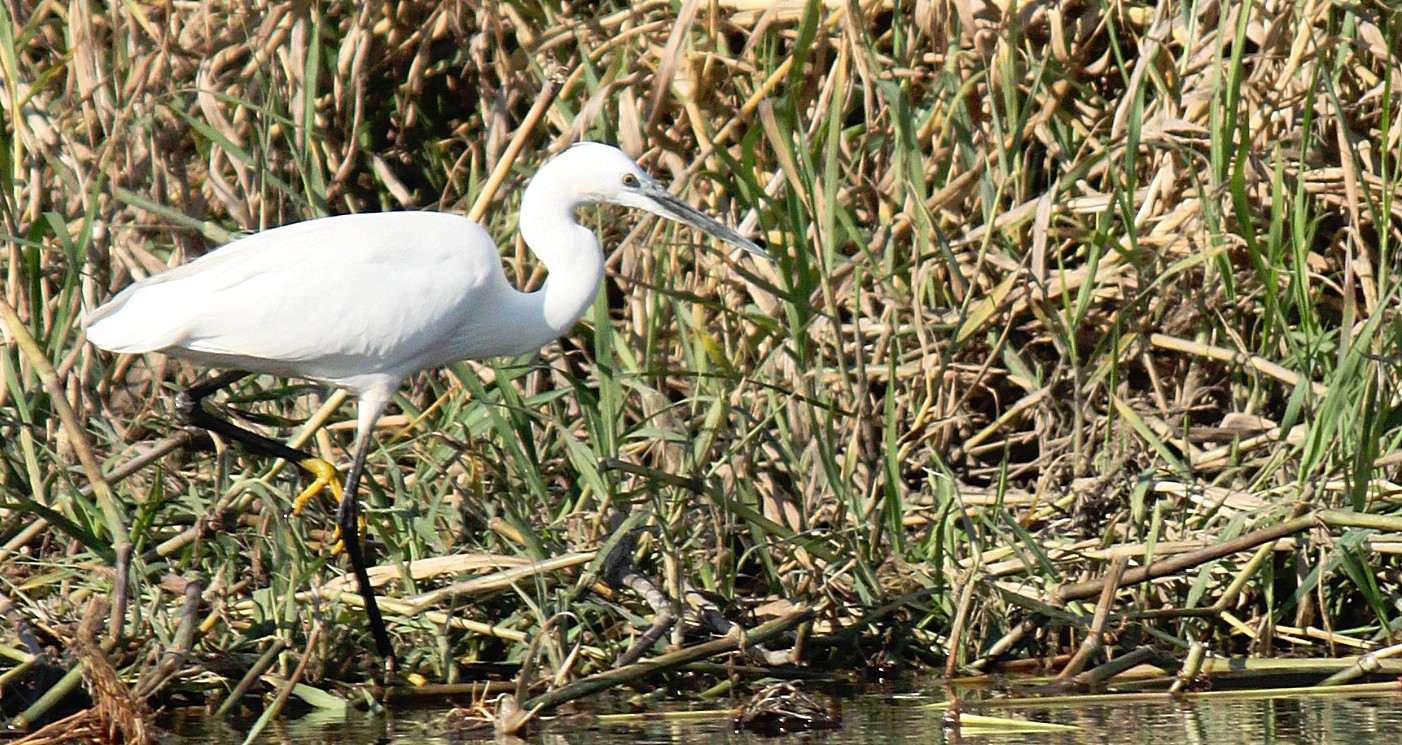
(1056, 286)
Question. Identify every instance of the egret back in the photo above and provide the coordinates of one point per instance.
(327, 299)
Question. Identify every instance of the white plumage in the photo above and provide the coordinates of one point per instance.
(362, 301)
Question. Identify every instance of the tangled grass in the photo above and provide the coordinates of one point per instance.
(1055, 284)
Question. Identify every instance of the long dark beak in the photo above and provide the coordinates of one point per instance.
(672, 208)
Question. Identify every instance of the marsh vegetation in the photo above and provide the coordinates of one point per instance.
(1061, 293)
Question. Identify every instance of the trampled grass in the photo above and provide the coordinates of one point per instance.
(1053, 285)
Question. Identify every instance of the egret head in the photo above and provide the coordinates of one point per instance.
(603, 174)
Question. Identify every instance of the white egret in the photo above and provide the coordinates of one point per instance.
(362, 301)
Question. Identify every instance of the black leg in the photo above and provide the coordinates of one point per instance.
(348, 520)
(190, 402)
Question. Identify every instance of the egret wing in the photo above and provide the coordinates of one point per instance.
(313, 299)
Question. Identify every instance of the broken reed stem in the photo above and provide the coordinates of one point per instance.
(1093, 641)
(1241, 359)
(1176, 564)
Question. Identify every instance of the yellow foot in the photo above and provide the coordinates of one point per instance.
(338, 543)
(323, 476)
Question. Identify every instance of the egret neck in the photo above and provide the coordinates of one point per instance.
(570, 253)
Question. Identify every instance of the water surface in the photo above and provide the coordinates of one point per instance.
(879, 719)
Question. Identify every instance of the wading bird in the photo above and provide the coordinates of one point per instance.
(362, 301)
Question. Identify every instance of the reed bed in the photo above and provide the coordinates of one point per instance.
(1068, 297)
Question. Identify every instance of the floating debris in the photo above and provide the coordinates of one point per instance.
(782, 708)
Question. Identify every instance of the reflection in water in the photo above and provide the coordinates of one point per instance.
(885, 719)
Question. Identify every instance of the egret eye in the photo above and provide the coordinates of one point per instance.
(630, 180)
